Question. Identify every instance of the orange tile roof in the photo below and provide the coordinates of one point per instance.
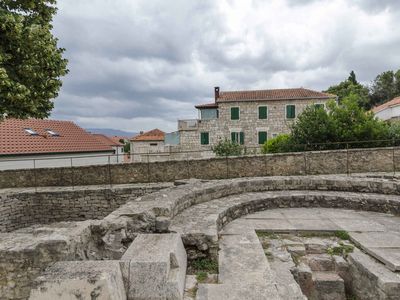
(152, 135)
(14, 140)
(117, 139)
(276, 94)
(106, 140)
(393, 102)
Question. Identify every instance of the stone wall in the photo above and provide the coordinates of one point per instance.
(301, 163)
(23, 209)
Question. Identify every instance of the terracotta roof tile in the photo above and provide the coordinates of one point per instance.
(117, 139)
(276, 94)
(106, 140)
(14, 140)
(152, 135)
(393, 102)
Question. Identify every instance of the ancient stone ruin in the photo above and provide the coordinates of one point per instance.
(282, 237)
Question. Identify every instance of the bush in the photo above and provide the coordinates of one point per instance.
(281, 143)
(227, 148)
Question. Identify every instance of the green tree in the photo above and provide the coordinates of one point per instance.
(31, 64)
(351, 86)
(227, 148)
(278, 144)
(385, 87)
(314, 126)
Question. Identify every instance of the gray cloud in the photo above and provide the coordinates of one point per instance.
(136, 65)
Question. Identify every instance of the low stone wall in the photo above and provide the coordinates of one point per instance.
(302, 163)
(19, 209)
(25, 253)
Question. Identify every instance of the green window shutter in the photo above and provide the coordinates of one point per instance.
(241, 138)
(234, 113)
(233, 136)
(290, 111)
(262, 137)
(262, 112)
(204, 138)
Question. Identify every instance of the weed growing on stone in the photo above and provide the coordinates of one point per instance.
(341, 234)
(205, 265)
(340, 250)
(201, 276)
(270, 235)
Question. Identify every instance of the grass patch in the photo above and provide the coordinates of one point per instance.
(310, 234)
(342, 234)
(270, 235)
(201, 276)
(340, 250)
(205, 265)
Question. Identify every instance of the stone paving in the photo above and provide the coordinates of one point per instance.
(199, 211)
(245, 266)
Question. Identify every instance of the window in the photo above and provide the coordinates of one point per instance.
(319, 105)
(204, 138)
(237, 137)
(274, 135)
(262, 137)
(153, 144)
(290, 111)
(235, 113)
(262, 112)
(30, 131)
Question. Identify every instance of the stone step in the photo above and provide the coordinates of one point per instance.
(199, 224)
(371, 279)
(154, 267)
(67, 280)
(327, 286)
(244, 272)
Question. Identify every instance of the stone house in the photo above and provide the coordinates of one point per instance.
(116, 145)
(148, 146)
(246, 117)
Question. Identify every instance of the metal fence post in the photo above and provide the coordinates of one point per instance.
(34, 174)
(347, 159)
(393, 159)
(109, 171)
(72, 174)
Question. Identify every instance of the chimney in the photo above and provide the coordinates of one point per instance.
(216, 93)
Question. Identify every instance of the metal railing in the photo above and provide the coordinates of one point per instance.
(71, 162)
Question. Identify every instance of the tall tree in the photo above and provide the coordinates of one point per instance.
(351, 87)
(31, 63)
(385, 87)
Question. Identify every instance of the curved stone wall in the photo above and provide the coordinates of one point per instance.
(19, 208)
(160, 211)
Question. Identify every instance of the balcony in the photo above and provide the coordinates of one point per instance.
(192, 124)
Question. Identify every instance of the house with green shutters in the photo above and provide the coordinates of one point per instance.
(246, 117)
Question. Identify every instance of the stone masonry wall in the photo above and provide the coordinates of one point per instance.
(249, 123)
(301, 163)
(22, 209)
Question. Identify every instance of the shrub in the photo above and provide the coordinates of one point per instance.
(227, 148)
(281, 143)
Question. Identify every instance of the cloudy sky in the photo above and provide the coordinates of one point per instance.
(140, 64)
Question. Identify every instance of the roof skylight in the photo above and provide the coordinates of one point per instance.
(52, 132)
(30, 131)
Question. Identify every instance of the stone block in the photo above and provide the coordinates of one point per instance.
(320, 262)
(328, 286)
(154, 267)
(100, 280)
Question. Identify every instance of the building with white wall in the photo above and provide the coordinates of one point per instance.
(34, 143)
(389, 111)
(148, 146)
